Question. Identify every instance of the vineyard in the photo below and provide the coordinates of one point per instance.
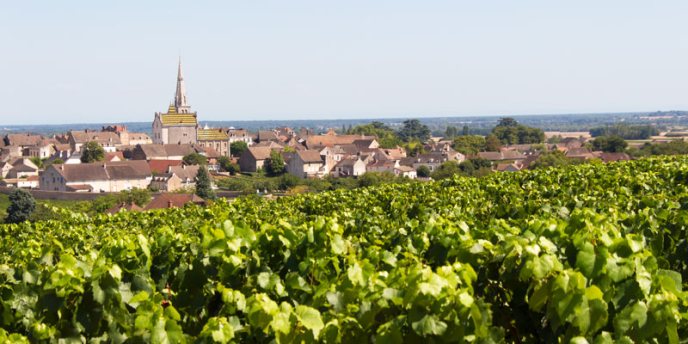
(587, 254)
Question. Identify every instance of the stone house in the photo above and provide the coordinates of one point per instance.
(96, 177)
(254, 158)
(351, 167)
(307, 164)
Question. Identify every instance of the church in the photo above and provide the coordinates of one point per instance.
(179, 124)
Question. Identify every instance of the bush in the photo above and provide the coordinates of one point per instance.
(423, 171)
(22, 205)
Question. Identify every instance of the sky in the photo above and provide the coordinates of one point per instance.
(116, 61)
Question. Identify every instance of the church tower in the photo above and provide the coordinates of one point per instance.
(177, 125)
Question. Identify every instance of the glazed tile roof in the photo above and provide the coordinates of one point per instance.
(211, 135)
(175, 119)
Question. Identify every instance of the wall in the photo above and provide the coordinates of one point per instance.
(181, 135)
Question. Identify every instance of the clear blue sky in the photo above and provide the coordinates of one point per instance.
(115, 61)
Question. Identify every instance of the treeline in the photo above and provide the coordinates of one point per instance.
(627, 132)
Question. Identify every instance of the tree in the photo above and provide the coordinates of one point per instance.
(509, 132)
(423, 171)
(58, 161)
(37, 161)
(195, 159)
(414, 148)
(451, 132)
(204, 187)
(274, 166)
(447, 170)
(550, 159)
(469, 144)
(414, 129)
(92, 151)
(465, 131)
(613, 144)
(386, 136)
(492, 143)
(137, 196)
(22, 205)
(237, 148)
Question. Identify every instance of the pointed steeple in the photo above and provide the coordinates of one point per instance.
(180, 96)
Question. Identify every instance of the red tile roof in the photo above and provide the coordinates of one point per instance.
(169, 200)
(162, 166)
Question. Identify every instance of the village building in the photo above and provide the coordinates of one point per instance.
(108, 140)
(216, 139)
(161, 152)
(173, 200)
(350, 167)
(254, 158)
(241, 135)
(178, 125)
(307, 164)
(96, 177)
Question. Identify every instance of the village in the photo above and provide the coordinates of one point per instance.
(112, 159)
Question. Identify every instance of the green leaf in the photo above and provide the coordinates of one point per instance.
(429, 325)
(310, 319)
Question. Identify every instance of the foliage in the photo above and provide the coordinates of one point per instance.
(613, 144)
(204, 187)
(37, 161)
(667, 148)
(451, 132)
(237, 148)
(274, 165)
(376, 178)
(469, 144)
(414, 147)
(625, 131)
(423, 171)
(447, 170)
(195, 159)
(550, 159)
(510, 132)
(21, 206)
(492, 143)
(386, 136)
(91, 152)
(140, 197)
(58, 161)
(413, 129)
(587, 253)
(226, 165)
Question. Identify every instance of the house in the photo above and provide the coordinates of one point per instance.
(114, 156)
(214, 138)
(186, 174)
(611, 157)
(23, 183)
(44, 149)
(394, 167)
(162, 151)
(162, 166)
(307, 163)
(509, 167)
(254, 158)
(580, 153)
(431, 160)
(96, 177)
(351, 167)
(502, 155)
(124, 207)
(267, 135)
(128, 138)
(239, 135)
(22, 168)
(22, 140)
(5, 168)
(108, 140)
(172, 200)
(166, 182)
(331, 139)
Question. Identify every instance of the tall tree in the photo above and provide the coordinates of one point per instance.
(22, 205)
(492, 143)
(204, 187)
(195, 159)
(274, 166)
(237, 148)
(414, 129)
(91, 152)
(510, 132)
(613, 144)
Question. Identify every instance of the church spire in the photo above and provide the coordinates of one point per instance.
(180, 96)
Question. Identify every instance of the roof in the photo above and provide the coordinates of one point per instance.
(185, 172)
(211, 135)
(128, 207)
(347, 162)
(23, 139)
(171, 119)
(309, 156)
(102, 137)
(608, 157)
(266, 135)
(109, 156)
(79, 187)
(259, 153)
(139, 137)
(120, 170)
(162, 166)
(171, 200)
(165, 150)
(331, 140)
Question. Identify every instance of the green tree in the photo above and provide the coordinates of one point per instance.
(91, 152)
(550, 159)
(195, 159)
(137, 196)
(37, 161)
(510, 132)
(448, 169)
(237, 148)
(492, 143)
(469, 144)
(413, 129)
(386, 136)
(22, 205)
(613, 144)
(414, 148)
(451, 132)
(375, 178)
(274, 166)
(204, 187)
(423, 171)
(465, 131)
(225, 164)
